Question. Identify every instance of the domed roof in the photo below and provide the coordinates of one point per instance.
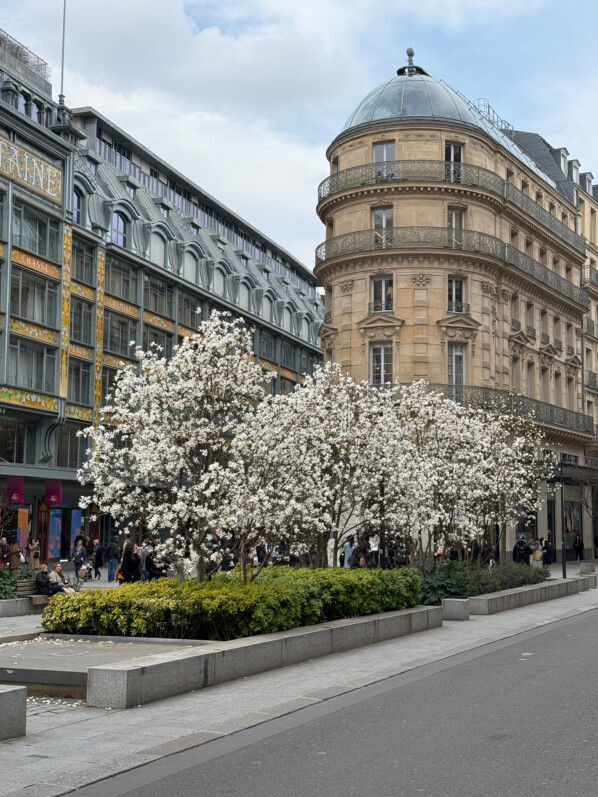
(411, 93)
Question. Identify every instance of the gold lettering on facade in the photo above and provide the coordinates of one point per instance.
(36, 173)
(35, 264)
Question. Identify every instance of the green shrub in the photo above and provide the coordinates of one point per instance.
(8, 583)
(454, 580)
(226, 608)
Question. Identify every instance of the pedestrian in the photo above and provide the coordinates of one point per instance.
(348, 551)
(538, 554)
(521, 551)
(98, 559)
(546, 552)
(129, 566)
(114, 554)
(578, 548)
(4, 551)
(146, 549)
(33, 554)
(79, 557)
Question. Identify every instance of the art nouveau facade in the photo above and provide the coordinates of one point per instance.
(453, 254)
(103, 243)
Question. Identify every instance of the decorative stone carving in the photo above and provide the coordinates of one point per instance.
(506, 294)
(346, 286)
(379, 333)
(546, 361)
(516, 349)
(421, 280)
(458, 335)
(577, 332)
(490, 289)
(572, 372)
(530, 357)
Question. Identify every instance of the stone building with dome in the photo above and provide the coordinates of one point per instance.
(454, 253)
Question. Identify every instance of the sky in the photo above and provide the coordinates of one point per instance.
(244, 96)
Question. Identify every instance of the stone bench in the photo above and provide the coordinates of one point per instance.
(495, 602)
(13, 711)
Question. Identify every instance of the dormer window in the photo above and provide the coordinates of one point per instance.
(119, 230)
(77, 206)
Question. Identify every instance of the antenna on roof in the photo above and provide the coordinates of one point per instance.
(61, 95)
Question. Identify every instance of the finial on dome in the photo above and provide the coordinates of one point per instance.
(410, 54)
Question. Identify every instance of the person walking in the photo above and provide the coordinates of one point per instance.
(98, 559)
(114, 553)
(33, 554)
(546, 552)
(129, 566)
(348, 551)
(146, 550)
(578, 548)
(79, 557)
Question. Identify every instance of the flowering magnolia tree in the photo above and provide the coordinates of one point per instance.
(159, 456)
(193, 449)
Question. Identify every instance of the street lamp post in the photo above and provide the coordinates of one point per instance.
(563, 541)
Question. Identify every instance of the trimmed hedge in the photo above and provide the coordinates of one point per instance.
(226, 608)
(453, 580)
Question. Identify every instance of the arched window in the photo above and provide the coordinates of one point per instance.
(305, 329)
(244, 296)
(267, 309)
(23, 102)
(219, 281)
(119, 230)
(287, 320)
(158, 250)
(77, 206)
(191, 268)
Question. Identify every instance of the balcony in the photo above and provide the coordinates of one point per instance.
(531, 332)
(380, 307)
(545, 339)
(394, 238)
(328, 316)
(569, 459)
(591, 380)
(503, 401)
(515, 325)
(589, 327)
(458, 307)
(590, 275)
(558, 344)
(446, 172)
(570, 351)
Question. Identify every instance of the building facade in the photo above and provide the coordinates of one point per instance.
(102, 243)
(455, 253)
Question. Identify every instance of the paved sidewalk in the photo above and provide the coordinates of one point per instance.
(42, 764)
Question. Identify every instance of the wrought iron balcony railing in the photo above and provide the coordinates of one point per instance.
(505, 401)
(515, 325)
(589, 327)
(591, 380)
(545, 339)
(380, 307)
(531, 332)
(446, 172)
(569, 459)
(328, 316)
(446, 238)
(458, 307)
(558, 344)
(570, 351)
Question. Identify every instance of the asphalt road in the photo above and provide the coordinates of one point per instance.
(516, 718)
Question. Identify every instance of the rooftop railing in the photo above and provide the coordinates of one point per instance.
(446, 238)
(447, 172)
(523, 406)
